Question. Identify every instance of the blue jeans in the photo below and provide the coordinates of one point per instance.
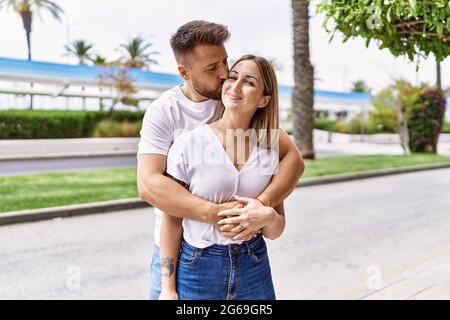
(225, 272)
(155, 275)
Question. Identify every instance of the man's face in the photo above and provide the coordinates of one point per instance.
(207, 69)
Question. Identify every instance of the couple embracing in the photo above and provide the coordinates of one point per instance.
(214, 162)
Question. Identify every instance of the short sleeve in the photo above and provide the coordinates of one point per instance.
(156, 132)
(177, 160)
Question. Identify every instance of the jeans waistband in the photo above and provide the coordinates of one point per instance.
(245, 247)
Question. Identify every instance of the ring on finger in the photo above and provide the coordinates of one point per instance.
(241, 228)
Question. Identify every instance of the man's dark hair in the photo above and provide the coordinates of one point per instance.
(197, 32)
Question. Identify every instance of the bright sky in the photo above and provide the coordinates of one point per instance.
(257, 26)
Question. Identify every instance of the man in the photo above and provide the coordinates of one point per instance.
(199, 50)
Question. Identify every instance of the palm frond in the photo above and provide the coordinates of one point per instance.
(55, 10)
(135, 53)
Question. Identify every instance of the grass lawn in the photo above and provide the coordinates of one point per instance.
(55, 189)
(42, 190)
(340, 165)
(446, 127)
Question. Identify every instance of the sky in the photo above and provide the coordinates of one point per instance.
(262, 27)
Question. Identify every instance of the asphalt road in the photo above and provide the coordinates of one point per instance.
(342, 241)
(17, 167)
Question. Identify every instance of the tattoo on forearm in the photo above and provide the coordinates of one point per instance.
(167, 266)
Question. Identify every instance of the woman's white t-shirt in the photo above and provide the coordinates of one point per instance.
(168, 116)
(198, 159)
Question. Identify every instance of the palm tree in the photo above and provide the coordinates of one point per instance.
(99, 60)
(80, 49)
(303, 97)
(360, 86)
(26, 8)
(135, 55)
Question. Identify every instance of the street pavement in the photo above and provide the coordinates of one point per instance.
(378, 238)
(32, 156)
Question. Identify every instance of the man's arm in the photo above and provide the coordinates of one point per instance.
(290, 169)
(169, 196)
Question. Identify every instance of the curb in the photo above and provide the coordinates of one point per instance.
(370, 174)
(33, 215)
(89, 154)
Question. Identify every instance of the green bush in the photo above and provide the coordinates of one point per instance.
(52, 124)
(325, 124)
(349, 127)
(425, 120)
(40, 124)
(354, 127)
(384, 114)
(399, 96)
(109, 128)
(119, 115)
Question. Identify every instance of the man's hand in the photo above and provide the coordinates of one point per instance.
(244, 223)
(214, 217)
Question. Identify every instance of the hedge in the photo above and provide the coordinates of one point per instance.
(51, 124)
(425, 121)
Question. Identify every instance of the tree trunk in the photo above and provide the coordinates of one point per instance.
(403, 128)
(438, 76)
(302, 99)
(27, 18)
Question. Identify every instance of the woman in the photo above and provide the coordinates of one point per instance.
(237, 154)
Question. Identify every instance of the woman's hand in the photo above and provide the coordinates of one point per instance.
(168, 295)
(247, 220)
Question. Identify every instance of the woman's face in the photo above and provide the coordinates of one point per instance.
(244, 88)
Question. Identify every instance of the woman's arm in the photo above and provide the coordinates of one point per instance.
(171, 234)
(291, 168)
(273, 229)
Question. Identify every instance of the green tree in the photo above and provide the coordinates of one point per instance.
(303, 96)
(360, 86)
(26, 9)
(80, 49)
(135, 54)
(121, 85)
(384, 112)
(412, 28)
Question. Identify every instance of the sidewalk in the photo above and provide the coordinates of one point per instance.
(344, 144)
(341, 145)
(428, 280)
(65, 148)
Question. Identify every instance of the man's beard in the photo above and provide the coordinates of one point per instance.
(215, 95)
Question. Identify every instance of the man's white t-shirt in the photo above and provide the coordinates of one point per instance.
(198, 159)
(168, 116)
